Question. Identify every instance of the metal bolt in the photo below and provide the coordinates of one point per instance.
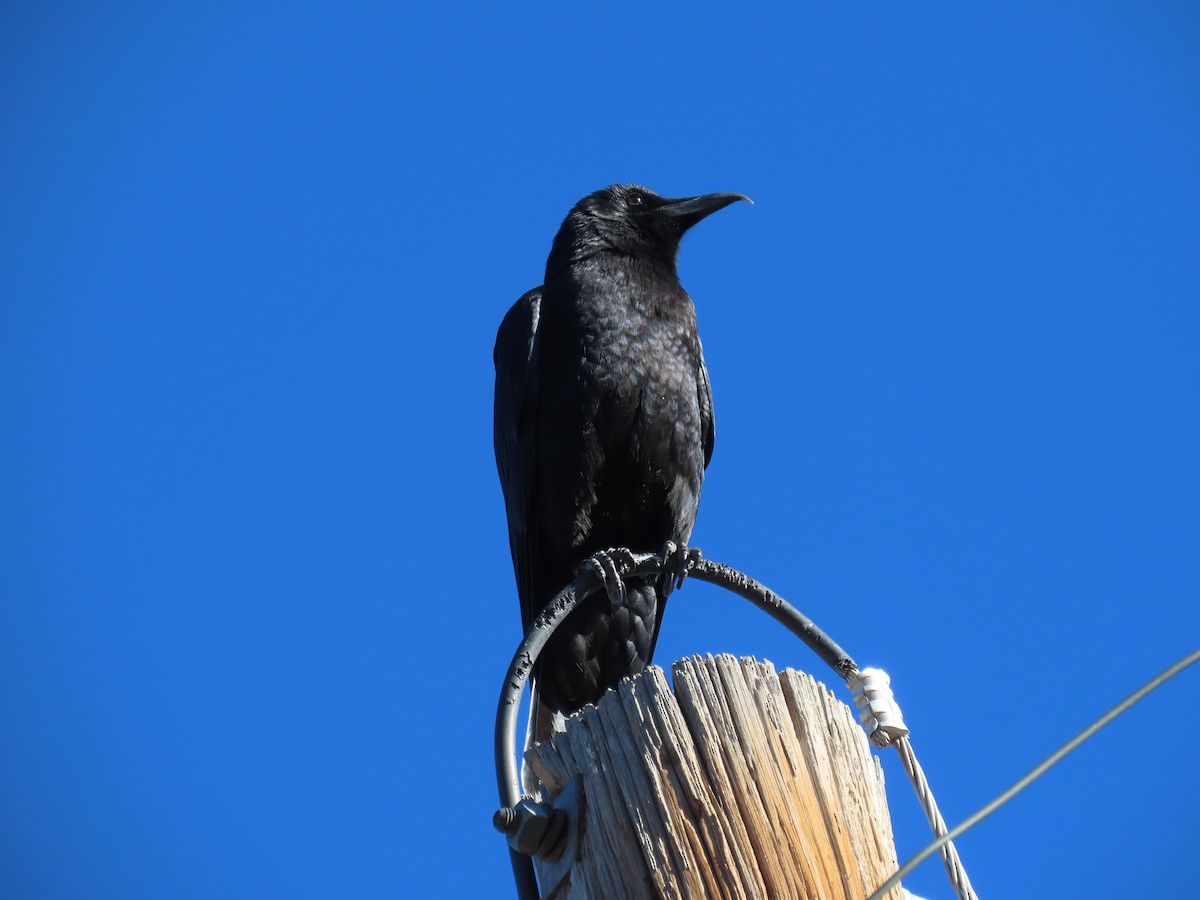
(505, 820)
(533, 828)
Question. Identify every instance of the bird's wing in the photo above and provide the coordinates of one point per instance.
(708, 422)
(516, 403)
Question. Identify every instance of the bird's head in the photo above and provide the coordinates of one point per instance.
(632, 221)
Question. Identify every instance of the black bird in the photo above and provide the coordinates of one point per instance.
(603, 427)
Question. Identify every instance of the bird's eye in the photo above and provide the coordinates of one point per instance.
(635, 198)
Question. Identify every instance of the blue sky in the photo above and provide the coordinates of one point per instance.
(255, 593)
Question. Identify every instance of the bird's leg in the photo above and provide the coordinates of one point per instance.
(608, 565)
(677, 561)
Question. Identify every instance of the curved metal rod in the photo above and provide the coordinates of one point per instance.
(564, 602)
(547, 621)
(778, 609)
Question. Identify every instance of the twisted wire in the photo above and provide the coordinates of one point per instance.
(954, 867)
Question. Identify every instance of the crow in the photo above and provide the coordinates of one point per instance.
(603, 429)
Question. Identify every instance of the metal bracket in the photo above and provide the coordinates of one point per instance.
(555, 871)
(549, 831)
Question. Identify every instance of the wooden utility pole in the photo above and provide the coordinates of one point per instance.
(741, 784)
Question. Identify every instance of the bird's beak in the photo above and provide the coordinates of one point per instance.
(687, 211)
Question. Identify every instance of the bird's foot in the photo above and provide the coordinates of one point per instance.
(677, 561)
(609, 565)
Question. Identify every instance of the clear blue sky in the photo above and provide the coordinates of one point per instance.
(255, 593)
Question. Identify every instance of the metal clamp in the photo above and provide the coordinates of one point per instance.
(549, 831)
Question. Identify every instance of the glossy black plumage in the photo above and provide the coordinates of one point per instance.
(603, 425)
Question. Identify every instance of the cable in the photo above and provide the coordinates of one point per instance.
(1039, 770)
(955, 870)
(779, 610)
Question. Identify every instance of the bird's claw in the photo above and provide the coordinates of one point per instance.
(678, 560)
(608, 566)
